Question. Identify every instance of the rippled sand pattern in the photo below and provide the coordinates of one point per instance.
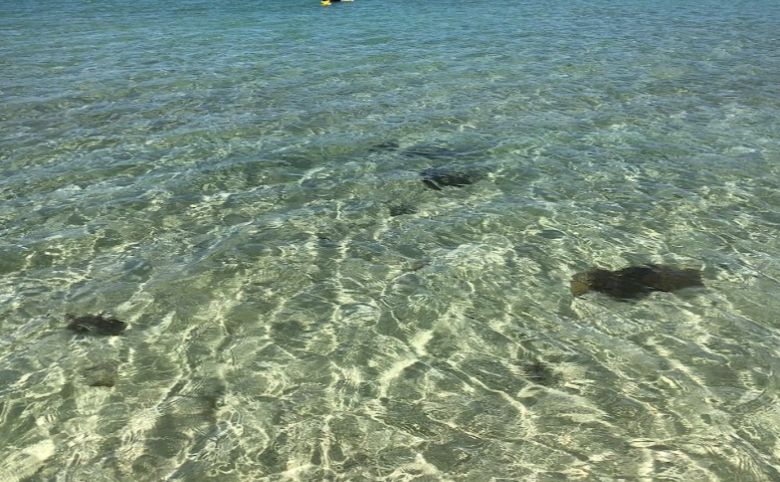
(300, 306)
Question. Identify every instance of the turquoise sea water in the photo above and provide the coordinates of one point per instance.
(239, 182)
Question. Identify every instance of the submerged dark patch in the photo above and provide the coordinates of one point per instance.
(98, 325)
(436, 178)
(540, 373)
(101, 375)
(401, 209)
(432, 152)
(390, 145)
(635, 281)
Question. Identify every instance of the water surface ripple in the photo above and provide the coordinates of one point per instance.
(240, 182)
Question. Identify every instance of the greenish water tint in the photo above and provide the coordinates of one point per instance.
(240, 183)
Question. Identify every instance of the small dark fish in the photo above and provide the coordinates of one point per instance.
(635, 281)
(436, 178)
(98, 325)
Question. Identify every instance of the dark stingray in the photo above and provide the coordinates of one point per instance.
(635, 281)
(98, 325)
(436, 178)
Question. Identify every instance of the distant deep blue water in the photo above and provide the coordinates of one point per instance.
(240, 183)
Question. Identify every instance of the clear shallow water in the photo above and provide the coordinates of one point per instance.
(240, 184)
